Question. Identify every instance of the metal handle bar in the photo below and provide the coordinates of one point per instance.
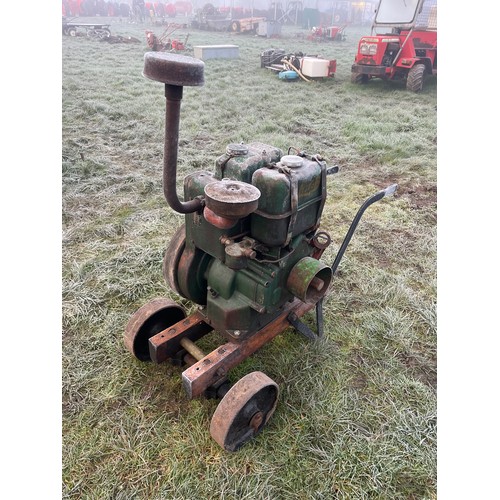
(370, 201)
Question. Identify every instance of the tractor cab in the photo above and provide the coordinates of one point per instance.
(402, 44)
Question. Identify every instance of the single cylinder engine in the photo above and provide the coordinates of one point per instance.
(255, 245)
(250, 241)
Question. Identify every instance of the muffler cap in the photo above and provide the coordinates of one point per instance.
(174, 69)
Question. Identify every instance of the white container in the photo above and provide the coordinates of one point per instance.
(314, 67)
(205, 52)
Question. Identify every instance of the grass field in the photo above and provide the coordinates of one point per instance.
(356, 416)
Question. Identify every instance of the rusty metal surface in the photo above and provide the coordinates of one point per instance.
(231, 199)
(218, 221)
(166, 343)
(215, 365)
(173, 94)
(147, 321)
(174, 69)
(211, 369)
(192, 348)
(309, 279)
(191, 273)
(172, 257)
(244, 410)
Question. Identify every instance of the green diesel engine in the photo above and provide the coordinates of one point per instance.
(248, 254)
(255, 243)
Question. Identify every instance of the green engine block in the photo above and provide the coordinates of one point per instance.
(246, 270)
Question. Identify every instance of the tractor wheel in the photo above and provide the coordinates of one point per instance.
(235, 26)
(415, 79)
(147, 321)
(359, 78)
(244, 411)
(72, 31)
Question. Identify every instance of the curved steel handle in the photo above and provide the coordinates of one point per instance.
(370, 201)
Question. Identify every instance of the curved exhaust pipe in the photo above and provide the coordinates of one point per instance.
(173, 95)
(175, 71)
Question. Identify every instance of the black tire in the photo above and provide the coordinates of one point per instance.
(359, 78)
(235, 26)
(415, 79)
(72, 31)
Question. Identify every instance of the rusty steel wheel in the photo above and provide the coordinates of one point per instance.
(147, 321)
(184, 268)
(244, 411)
(172, 257)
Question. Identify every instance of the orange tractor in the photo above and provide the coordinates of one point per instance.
(408, 52)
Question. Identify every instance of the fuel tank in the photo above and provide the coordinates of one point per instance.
(293, 192)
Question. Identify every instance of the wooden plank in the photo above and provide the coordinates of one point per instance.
(215, 366)
(211, 369)
(166, 343)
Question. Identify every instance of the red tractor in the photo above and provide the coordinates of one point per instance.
(408, 52)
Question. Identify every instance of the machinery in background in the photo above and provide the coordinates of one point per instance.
(211, 18)
(408, 52)
(328, 33)
(99, 31)
(165, 42)
(297, 65)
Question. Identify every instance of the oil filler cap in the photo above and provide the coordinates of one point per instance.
(291, 161)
